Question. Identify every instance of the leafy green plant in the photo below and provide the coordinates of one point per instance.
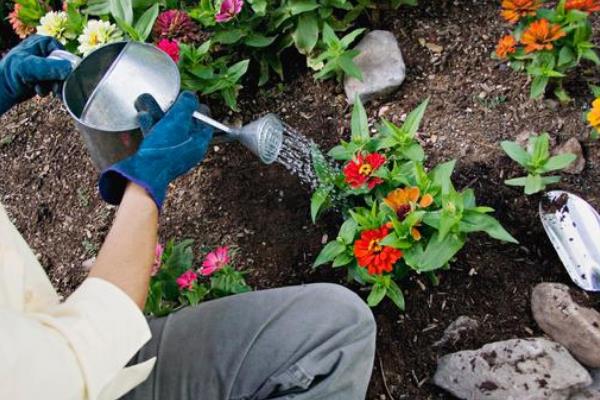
(536, 160)
(176, 283)
(399, 218)
(336, 60)
(548, 44)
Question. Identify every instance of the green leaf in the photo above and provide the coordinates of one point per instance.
(441, 176)
(329, 253)
(591, 55)
(538, 86)
(341, 260)
(541, 148)
(566, 56)
(360, 124)
(330, 38)
(347, 64)
(414, 152)
(228, 37)
(122, 9)
(351, 37)
(439, 252)
(97, 7)
(318, 201)
(473, 221)
(392, 240)
(516, 181)
(533, 184)
(394, 293)
(595, 90)
(301, 6)
(413, 120)
(559, 162)
(348, 231)
(377, 294)
(133, 34)
(306, 34)
(144, 24)
(258, 40)
(341, 153)
(516, 152)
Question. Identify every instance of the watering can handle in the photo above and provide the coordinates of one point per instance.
(65, 55)
(229, 134)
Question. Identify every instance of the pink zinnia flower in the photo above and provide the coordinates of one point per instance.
(170, 47)
(229, 9)
(214, 261)
(186, 280)
(158, 252)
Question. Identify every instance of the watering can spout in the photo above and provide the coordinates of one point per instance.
(263, 137)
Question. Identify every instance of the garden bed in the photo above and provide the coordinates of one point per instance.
(47, 184)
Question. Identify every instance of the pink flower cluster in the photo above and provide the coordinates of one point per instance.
(229, 9)
(213, 262)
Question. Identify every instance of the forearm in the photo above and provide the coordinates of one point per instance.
(127, 254)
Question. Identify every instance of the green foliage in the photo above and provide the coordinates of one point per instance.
(553, 65)
(418, 214)
(210, 76)
(32, 11)
(536, 160)
(164, 294)
(336, 60)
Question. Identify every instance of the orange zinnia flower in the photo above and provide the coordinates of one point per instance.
(514, 10)
(540, 35)
(588, 6)
(593, 117)
(372, 255)
(507, 45)
(403, 201)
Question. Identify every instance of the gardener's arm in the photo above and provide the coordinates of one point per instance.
(128, 251)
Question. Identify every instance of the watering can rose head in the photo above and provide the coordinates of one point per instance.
(229, 9)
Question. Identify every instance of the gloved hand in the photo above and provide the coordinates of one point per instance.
(172, 147)
(26, 67)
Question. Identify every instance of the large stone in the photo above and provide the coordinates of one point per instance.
(516, 369)
(575, 327)
(574, 147)
(382, 66)
(591, 392)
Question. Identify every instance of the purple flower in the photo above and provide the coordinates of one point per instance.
(229, 9)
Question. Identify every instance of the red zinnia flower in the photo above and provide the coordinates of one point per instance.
(588, 6)
(372, 255)
(359, 171)
(170, 47)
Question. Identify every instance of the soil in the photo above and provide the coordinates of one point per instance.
(47, 184)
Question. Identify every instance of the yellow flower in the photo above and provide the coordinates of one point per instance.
(403, 201)
(55, 24)
(97, 33)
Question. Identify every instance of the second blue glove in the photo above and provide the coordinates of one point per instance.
(171, 147)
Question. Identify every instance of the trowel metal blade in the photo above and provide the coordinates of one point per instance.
(573, 227)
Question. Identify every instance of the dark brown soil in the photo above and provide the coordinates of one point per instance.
(47, 184)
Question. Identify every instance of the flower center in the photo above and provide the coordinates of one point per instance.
(403, 209)
(365, 169)
(374, 246)
(94, 38)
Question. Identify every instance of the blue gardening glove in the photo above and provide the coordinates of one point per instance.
(171, 147)
(25, 70)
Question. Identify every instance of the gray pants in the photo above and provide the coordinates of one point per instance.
(304, 342)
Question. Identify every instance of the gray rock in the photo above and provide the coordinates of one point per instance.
(456, 330)
(516, 369)
(382, 66)
(574, 147)
(560, 317)
(591, 392)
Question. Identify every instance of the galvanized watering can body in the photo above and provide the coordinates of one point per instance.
(110, 76)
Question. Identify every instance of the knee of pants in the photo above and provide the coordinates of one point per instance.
(335, 300)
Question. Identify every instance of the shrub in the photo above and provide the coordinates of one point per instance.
(398, 217)
(258, 29)
(548, 43)
(176, 283)
(536, 160)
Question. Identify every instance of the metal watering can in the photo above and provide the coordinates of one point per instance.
(101, 91)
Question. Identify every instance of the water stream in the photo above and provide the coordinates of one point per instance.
(295, 156)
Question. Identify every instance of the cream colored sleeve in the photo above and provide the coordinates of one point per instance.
(71, 350)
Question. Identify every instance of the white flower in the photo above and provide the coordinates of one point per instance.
(98, 33)
(55, 24)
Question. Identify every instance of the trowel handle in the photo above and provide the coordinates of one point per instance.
(65, 55)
